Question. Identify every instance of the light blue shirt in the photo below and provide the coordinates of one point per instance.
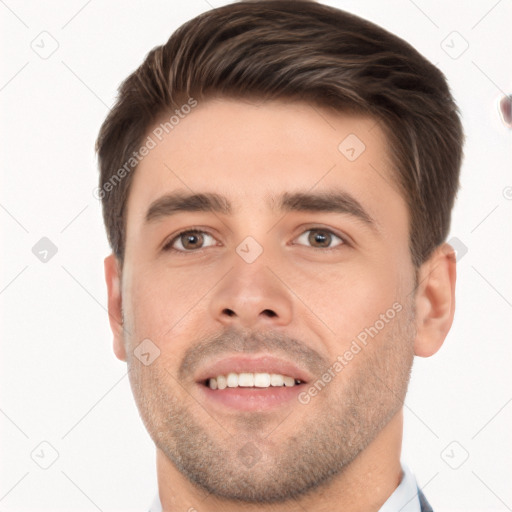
(404, 499)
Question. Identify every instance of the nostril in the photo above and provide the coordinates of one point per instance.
(267, 312)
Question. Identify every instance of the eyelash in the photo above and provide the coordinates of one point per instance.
(168, 245)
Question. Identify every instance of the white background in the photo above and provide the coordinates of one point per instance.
(60, 381)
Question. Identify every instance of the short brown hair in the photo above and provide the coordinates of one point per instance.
(289, 49)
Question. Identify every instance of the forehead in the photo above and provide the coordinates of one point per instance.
(250, 151)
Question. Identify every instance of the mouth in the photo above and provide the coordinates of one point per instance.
(247, 380)
(252, 384)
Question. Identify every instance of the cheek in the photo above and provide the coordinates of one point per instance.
(162, 301)
(350, 300)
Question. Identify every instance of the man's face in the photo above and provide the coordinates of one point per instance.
(260, 281)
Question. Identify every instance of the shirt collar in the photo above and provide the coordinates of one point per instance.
(156, 505)
(405, 498)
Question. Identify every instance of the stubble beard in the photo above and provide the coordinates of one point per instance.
(320, 446)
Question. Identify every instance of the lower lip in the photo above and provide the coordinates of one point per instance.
(253, 399)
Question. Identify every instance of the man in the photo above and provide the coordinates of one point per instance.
(277, 183)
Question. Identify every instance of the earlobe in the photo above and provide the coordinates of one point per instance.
(113, 280)
(435, 300)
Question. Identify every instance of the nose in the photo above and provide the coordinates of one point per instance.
(252, 295)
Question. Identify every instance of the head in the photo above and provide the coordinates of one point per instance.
(278, 179)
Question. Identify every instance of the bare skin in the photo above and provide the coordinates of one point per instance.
(322, 278)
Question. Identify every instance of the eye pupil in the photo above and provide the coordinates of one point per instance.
(190, 240)
(321, 237)
(194, 239)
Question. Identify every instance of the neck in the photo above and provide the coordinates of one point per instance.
(364, 485)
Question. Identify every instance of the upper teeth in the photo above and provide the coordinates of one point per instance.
(248, 380)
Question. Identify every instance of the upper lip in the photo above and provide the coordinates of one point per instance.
(255, 364)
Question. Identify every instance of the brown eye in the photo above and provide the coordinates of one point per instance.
(188, 241)
(191, 240)
(320, 238)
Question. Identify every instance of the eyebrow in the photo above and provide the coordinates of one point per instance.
(338, 201)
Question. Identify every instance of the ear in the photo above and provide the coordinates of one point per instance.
(113, 280)
(435, 300)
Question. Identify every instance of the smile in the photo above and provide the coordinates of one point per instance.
(251, 380)
(244, 383)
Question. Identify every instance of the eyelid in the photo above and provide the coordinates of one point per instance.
(345, 240)
(167, 245)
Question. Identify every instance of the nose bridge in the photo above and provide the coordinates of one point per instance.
(251, 293)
